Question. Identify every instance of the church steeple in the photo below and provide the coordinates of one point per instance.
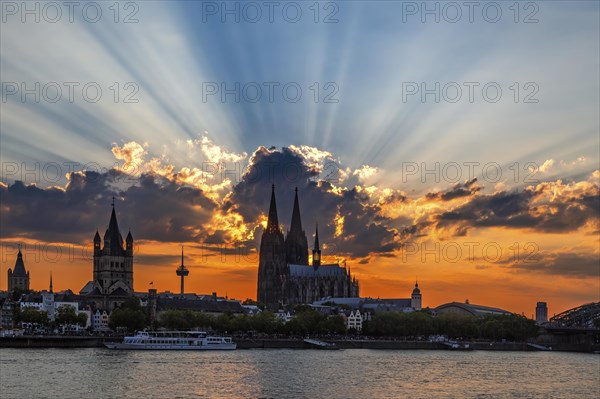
(296, 244)
(273, 221)
(316, 250)
(113, 266)
(272, 267)
(129, 244)
(51, 282)
(296, 225)
(113, 241)
(18, 277)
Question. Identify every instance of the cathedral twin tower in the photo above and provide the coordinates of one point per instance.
(284, 275)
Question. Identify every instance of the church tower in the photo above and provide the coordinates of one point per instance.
(18, 277)
(415, 299)
(113, 263)
(272, 266)
(296, 244)
(316, 259)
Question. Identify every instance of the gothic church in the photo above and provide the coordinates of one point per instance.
(284, 275)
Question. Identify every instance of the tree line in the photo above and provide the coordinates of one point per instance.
(304, 322)
(384, 324)
(65, 315)
(511, 327)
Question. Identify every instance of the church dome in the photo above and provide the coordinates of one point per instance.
(416, 290)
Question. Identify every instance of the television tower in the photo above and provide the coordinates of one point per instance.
(182, 271)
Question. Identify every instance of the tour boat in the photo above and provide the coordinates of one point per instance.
(173, 340)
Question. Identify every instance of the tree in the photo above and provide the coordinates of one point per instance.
(456, 325)
(131, 320)
(132, 303)
(30, 315)
(130, 316)
(82, 319)
(335, 325)
(185, 320)
(266, 322)
(66, 314)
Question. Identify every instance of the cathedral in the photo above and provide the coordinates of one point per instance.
(113, 268)
(284, 274)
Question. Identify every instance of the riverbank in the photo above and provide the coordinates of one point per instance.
(280, 343)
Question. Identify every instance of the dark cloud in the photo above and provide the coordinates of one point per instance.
(365, 231)
(154, 208)
(284, 168)
(564, 264)
(544, 208)
(457, 191)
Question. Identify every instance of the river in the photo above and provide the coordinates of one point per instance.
(286, 373)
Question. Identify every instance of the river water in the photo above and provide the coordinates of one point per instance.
(283, 373)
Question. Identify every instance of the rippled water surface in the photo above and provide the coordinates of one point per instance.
(101, 373)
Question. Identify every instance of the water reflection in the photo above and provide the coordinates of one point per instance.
(100, 373)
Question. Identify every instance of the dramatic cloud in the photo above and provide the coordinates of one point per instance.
(365, 172)
(167, 203)
(155, 208)
(547, 207)
(131, 153)
(459, 190)
(349, 223)
(214, 153)
(564, 264)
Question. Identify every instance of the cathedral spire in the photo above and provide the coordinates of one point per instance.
(316, 258)
(273, 222)
(51, 282)
(296, 224)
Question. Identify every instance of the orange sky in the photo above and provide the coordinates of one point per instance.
(444, 274)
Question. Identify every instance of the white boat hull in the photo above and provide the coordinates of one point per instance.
(220, 346)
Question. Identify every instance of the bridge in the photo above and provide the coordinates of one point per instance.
(582, 317)
(576, 329)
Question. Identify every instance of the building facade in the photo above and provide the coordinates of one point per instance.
(284, 275)
(18, 278)
(355, 321)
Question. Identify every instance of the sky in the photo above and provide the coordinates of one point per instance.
(457, 145)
